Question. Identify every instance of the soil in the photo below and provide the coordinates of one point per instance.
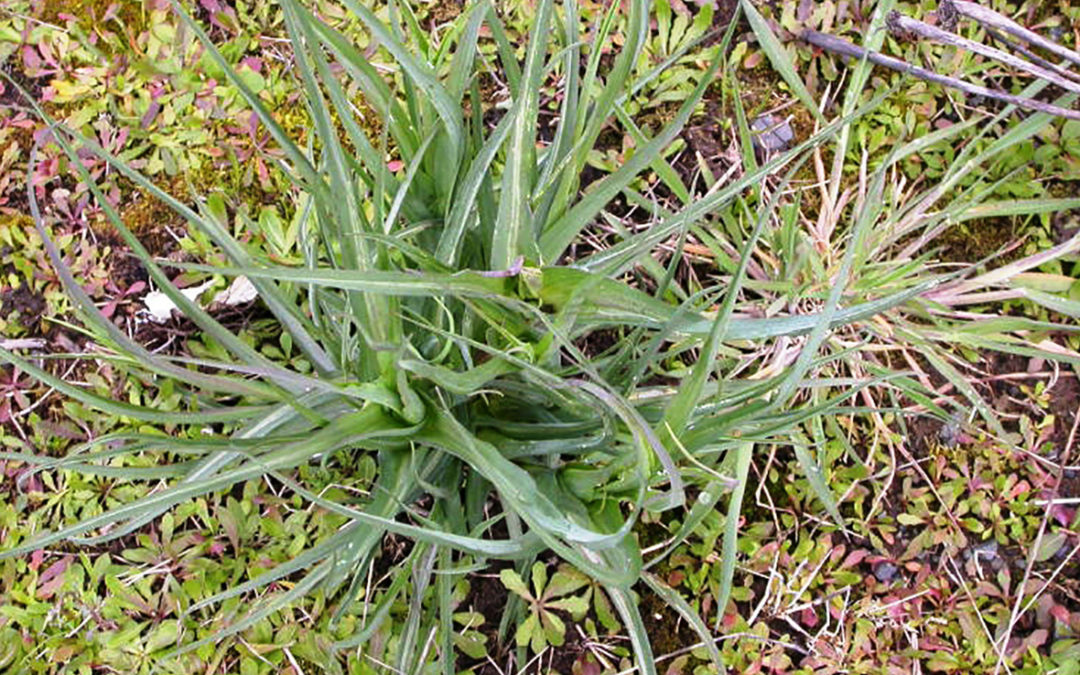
(126, 271)
(724, 11)
(14, 201)
(1006, 396)
(444, 12)
(10, 97)
(597, 343)
(706, 137)
(27, 303)
(665, 628)
(488, 596)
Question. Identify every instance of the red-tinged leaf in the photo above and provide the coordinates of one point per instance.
(1061, 613)
(1062, 514)
(808, 617)
(264, 173)
(896, 607)
(768, 550)
(1020, 488)
(232, 529)
(62, 430)
(587, 665)
(150, 115)
(985, 588)
(57, 568)
(1074, 622)
(729, 621)
(931, 644)
(826, 648)
(1037, 638)
(36, 558)
(53, 578)
(63, 654)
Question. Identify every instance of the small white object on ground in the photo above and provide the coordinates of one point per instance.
(159, 306)
(22, 343)
(240, 291)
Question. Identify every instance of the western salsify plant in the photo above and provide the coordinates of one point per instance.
(446, 320)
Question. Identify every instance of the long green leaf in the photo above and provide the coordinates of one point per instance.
(779, 58)
(514, 235)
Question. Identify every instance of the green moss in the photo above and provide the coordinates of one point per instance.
(977, 239)
(129, 13)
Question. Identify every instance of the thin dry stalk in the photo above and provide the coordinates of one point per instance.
(844, 48)
(1004, 273)
(22, 343)
(992, 19)
(915, 27)
(1032, 56)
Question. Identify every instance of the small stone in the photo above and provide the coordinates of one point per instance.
(772, 133)
(986, 551)
(885, 572)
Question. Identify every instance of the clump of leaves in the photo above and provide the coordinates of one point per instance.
(542, 626)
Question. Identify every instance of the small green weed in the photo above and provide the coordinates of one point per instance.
(542, 625)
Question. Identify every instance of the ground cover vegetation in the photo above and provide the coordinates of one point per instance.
(589, 338)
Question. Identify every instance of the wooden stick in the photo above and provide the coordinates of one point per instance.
(1032, 56)
(923, 30)
(991, 18)
(845, 48)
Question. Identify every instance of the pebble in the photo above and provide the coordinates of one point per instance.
(772, 133)
(988, 550)
(885, 572)
(985, 553)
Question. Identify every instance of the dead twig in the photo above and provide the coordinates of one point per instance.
(935, 34)
(1032, 56)
(844, 48)
(991, 19)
